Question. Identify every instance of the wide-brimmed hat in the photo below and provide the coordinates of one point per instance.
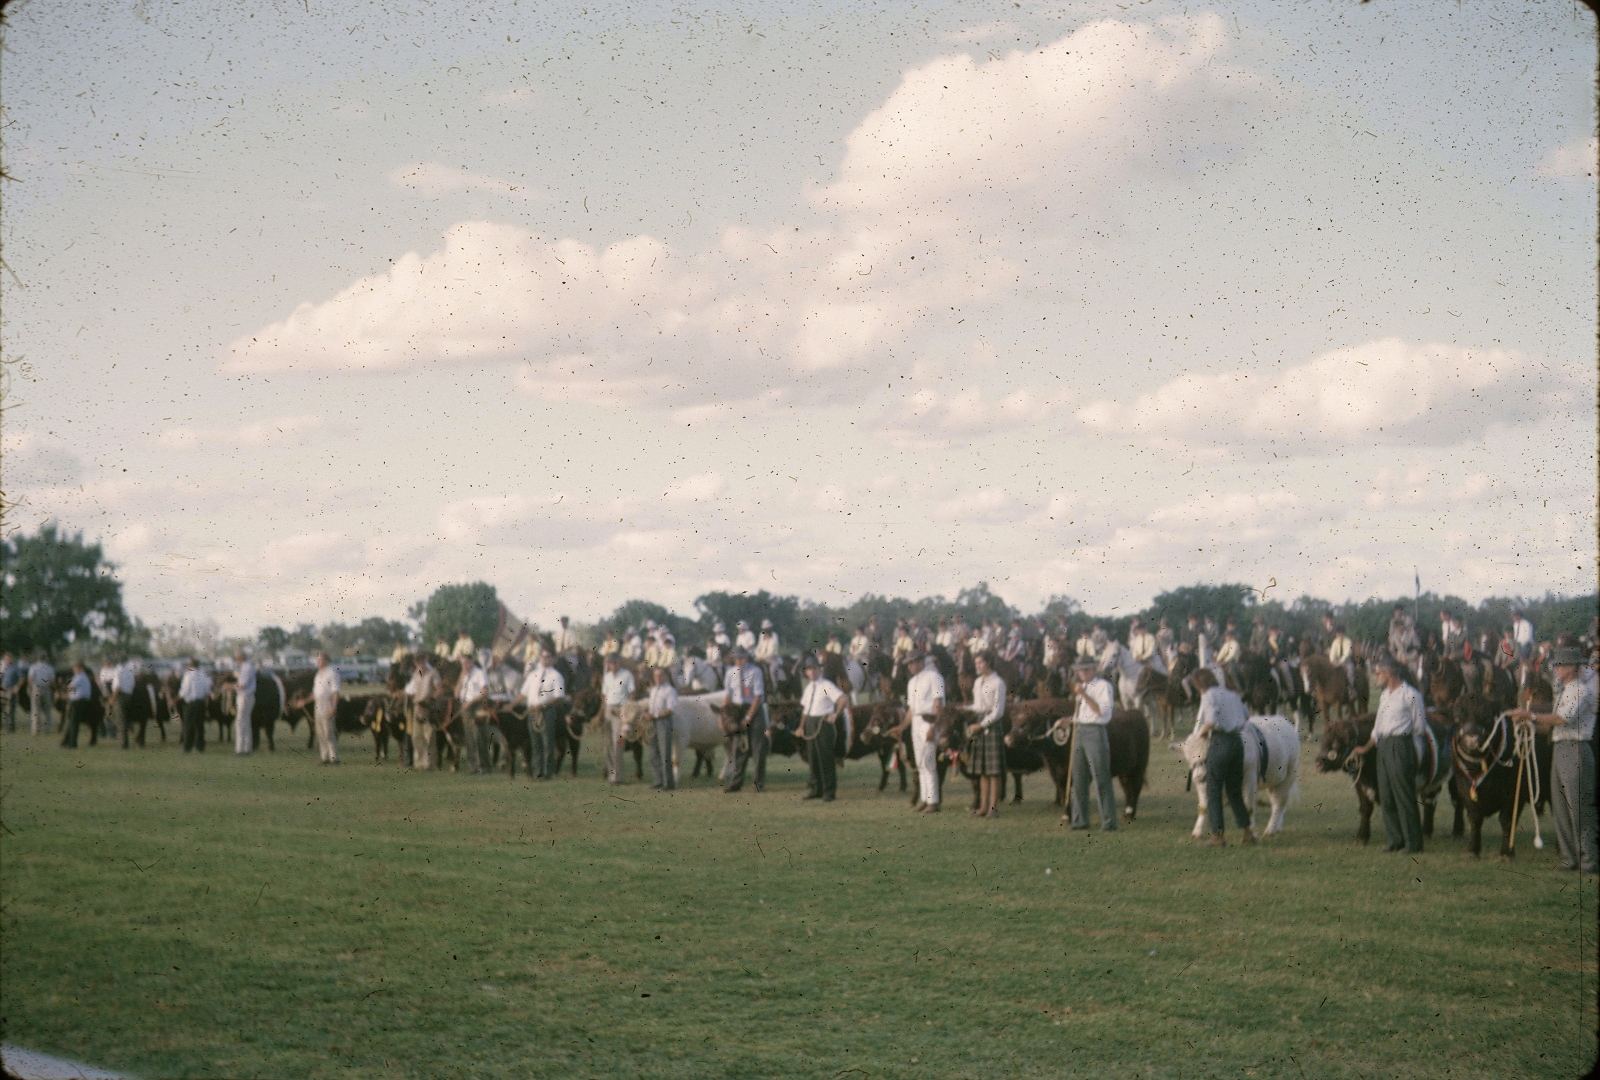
(1084, 663)
(739, 653)
(916, 658)
(1567, 654)
(811, 660)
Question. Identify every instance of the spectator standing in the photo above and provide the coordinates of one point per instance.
(617, 688)
(193, 691)
(80, 695)
(1572, 727)
(325, 705)
(748, 687)
(122, 684)
(41, 685)
(986, 748)
(821, 704)
(10, 679)
(546, 694)
(472, 691)
(1399, 722)
(663, 700)
(421, 691)
(244, 700)
(924, 699)
(1091, 748)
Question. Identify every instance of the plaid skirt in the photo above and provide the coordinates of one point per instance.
(986, 753)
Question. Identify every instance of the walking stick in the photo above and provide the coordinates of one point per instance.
(1072, 767)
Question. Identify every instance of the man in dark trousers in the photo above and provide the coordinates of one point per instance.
(80, 695)
(193, 692)
(1400, 722)
(1223, 715)
(821, 704)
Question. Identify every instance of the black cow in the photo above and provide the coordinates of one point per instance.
(1341, 736)
(1486, 778)
(1128, 733)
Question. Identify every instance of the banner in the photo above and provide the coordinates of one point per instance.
(510, 634)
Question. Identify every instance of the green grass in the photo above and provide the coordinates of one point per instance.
(217, 916)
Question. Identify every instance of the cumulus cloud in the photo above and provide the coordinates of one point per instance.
(768, 317)
(1574, 159)
(432, 178)
(932, 417)
(282, 429)
(1386, 392)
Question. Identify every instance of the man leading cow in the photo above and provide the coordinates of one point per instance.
(924, 699)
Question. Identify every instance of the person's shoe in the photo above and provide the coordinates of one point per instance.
(807, 798)
(759, 788)
(930, 808)
(1249, 836)
(1214, 840)
(1395, 847)
(827, 798)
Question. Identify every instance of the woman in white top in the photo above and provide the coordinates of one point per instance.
(986, 749)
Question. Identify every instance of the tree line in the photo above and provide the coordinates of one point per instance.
(61, 596)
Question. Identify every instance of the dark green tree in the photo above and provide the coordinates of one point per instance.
(474, 608)
(57, 590)
(784, 611)
(274, 639)
(305, 638)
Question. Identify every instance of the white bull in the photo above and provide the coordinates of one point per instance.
(695, 725)
(1280, 778)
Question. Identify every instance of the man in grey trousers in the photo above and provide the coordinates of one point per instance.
(1091, 749)
(1571, 728)
(663, 700)
(1400, 721)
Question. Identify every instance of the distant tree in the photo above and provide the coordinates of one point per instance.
(978, 604)
(1059, 605)
(1221, 602)
(57, 590)
(635, 613)
(305, 638)
(274, 639)
(474, 608)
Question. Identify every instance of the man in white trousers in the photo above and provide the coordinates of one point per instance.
(924, 699)
(245, 699)
(325, 701)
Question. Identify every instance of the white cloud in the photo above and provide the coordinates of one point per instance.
(34, 460)
(931, 417)
(432, 178)
(513, 97)
(1385, 392)
(1574, 159)
(282, 429)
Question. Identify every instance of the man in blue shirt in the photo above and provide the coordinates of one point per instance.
(80, 695)
(10, 678)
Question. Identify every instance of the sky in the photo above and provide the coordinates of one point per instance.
(313, 307)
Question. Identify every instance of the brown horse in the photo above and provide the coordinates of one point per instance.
(1327, 684)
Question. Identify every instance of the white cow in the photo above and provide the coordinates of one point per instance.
(695, 725)
(1281, 778)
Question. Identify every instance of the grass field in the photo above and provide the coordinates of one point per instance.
(217, 916)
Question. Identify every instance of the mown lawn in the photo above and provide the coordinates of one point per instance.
(216, 916)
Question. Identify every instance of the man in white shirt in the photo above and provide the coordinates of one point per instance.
(1091, 748)
(325, 707)
(421, 691)
(464, 647)
(193, 690)
(244, 697)
(821, 705)
(663, 700)
(122, 684)
(617, 687)
(860, 646)
(1400, 722)
(767, 646)
(924, 699)
(747, 686)
(744, 639)
(80, 695)
(1222, 716)
(633, 645)
(1572, 766)
(567, 641)
(1522, 635)
(545, 691)
(472, 695)
(107, 677)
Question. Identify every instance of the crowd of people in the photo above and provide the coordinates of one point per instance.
(645, 665)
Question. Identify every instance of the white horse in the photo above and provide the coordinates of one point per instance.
(1281, 777)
